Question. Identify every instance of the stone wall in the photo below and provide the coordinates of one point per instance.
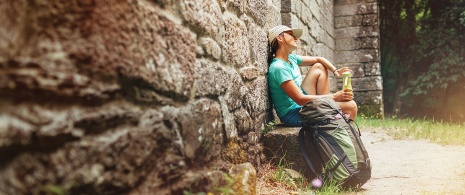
(138, 96)
(357, 46)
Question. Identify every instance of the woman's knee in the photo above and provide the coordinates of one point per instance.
(349, 106)
(318, 70)
(319, 66)
(353, 103)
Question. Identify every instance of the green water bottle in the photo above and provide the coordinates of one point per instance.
(346, 79)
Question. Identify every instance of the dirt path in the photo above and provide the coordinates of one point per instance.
(413, 166)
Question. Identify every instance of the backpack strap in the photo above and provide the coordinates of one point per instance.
(316, 143)
(358, 129)
(304, 153)
(302, 150)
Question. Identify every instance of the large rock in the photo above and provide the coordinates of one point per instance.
(281, 146)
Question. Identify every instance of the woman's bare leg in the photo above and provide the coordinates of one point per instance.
(350, 108)
(316, 81)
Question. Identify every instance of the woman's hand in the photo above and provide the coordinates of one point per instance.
(343, 96)
(339, 71)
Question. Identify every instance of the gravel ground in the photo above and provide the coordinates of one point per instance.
(413, 166)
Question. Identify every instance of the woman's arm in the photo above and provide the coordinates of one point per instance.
(310, 60)
(296, 94)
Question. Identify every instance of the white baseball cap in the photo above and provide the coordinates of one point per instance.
(277, 30)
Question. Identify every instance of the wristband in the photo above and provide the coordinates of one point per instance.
(335, 70)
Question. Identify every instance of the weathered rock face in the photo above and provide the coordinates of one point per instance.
(136, 97)
(107, 97)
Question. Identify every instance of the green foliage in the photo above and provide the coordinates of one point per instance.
(423, 60)
(54, 189)
(280, 175)
(269, 127)
(332, 188)
(185, 192)
(223, 190)
(370, 108)
(462, 18)
(226, 190)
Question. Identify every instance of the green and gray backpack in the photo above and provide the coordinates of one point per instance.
(331, 145)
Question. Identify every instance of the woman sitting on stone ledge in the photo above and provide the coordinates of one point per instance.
(288, 90)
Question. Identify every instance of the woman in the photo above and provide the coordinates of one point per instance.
(288, 90)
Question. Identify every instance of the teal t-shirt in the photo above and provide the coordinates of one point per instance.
(279, 72)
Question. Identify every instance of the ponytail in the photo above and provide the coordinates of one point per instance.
(272, 48)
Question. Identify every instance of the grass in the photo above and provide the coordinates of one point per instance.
(435, 131)
(276, 179)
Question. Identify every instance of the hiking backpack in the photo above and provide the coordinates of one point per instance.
(331, 145)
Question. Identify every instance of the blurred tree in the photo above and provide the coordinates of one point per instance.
(423, 59)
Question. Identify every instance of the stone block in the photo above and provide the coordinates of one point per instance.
(244, 122)
(238, 5)
(257, 9)
(366, 97)
(168, 71)
(286, 6)
(373, 69)
(326, 11)
(374, 83)
(276, 3)
(324, 51)
(204, 14)
(244, 179)
(249, 73)
(370, 20)
(368, 8)
(235, 46)
(236, 92)
(355, 9)
(201, 129)
(351, 32)
(327, 39)
(355, 56)
(12, 35)
(210, 78)
(327, 25)
(347, 2)
(348, 21)
(228, 120)
(315, 8)
(38, 127)
(91, 164)
(297, 8)
(210, 47)
(290, 19)
(65, 51)
(357, 68)
(259, 46)
(306, 15)
(281, 147)
(273, 18)
(349, 44)
(257, 98)
(315, 30)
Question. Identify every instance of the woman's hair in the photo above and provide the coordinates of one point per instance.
(272, 48)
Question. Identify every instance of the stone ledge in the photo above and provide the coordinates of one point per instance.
(283, 143)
